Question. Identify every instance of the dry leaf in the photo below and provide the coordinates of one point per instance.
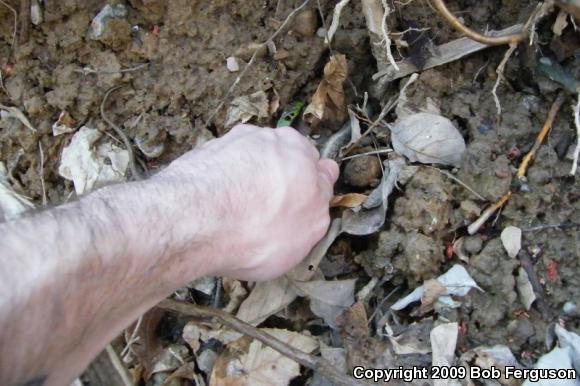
(268, 298)
(365, 222)
(525, 289)
(328, 103)
(414, 340)
(456, 281)
(432, 290)
(350, 200)
(443, 342)
(236, 292)
(328, 299)
(429, 139)
(246, 107)
(148, 348)
(89, 165)
(65, 124)
(511, 237)
(250, 363)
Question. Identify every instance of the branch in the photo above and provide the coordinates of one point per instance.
(312, 362)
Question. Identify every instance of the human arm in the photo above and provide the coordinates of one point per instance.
(249, 205)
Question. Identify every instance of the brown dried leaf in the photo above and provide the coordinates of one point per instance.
(328, 103)
(432, 289)
(148, 348)
(350, 200)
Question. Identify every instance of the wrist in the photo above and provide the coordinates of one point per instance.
(168, 233)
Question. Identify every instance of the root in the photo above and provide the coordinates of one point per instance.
(459, 26)
(335, 20)
(386, 39)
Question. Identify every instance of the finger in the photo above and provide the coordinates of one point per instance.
(294, 136)
(240, 130)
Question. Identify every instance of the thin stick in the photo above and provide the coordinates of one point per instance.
(474, 227)
(252, 60)
(312, 362)
(88, 70)
(452, 177)
(374, 152)
(556, 106)
(577, 150)
(24, 21)
(459, 26)
(119, 366)
(335, 20)
(42, 184)
(133, 166)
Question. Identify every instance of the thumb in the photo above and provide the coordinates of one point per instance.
(328, 171)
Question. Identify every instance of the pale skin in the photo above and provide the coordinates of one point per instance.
(249, 205)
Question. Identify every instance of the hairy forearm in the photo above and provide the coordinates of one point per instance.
(73, 277)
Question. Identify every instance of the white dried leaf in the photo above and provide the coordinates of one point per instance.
(456, 281)
(246, 107)
(90, 166)
(328, 299)
(571, 340)
(429, 139)
(232, 64)
(260, 365)
(558, 358)
(525, 289)
(511, 238)
(443, 342)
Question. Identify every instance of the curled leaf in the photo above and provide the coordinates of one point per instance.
(350, 200)
(328, 103)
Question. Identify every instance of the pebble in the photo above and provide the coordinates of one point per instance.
(232, 64)
(472, 244)
(306, 22)
(362, 172)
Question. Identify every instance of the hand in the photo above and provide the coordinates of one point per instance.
(268, 192)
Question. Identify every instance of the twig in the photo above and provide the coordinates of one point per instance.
(541, 135)
(474, 226)
(119, 366)
(15, 29)
(577, 150)
(374, 152)
(335, 20)
(500, 71)
(42, 184)
(452, 177)
(132, 339)
(564, 225)
(459, 26)
(24, 21)
(88, 70)
(289, 18)
(312, 362)
(538, 12)
(133, 166)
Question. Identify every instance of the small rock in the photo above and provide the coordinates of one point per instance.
(306, 23)
(422, 257)
(470, 209)
(472, 244)
(232, 64)
(363, 171)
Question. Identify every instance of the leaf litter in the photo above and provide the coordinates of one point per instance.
(382, 219)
